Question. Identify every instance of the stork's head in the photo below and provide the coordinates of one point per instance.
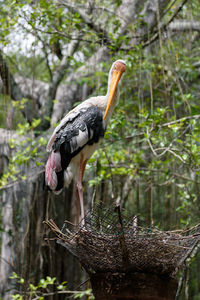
(116, 71)
(119, 65)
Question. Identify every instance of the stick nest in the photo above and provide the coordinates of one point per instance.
(110, 242)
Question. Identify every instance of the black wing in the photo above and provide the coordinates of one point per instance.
(86, 128)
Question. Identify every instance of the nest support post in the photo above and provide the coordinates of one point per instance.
(134, 286)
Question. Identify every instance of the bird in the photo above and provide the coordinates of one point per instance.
(78, 135)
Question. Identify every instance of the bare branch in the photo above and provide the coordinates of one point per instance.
(168, 148)
(180, 120)
(184, 26)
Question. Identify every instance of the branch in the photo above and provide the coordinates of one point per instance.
(101, 32)
(184, 25)
(167, 149)
(164, 26)
(150, 13)
(72, 88)
(70, 92)
(15, 87)
(180, 120)
(57, 76)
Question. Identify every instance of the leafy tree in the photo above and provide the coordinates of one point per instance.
(54, 55)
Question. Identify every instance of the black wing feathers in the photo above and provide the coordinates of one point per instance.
(85, 128)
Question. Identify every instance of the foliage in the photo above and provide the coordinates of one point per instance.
(26, 147)
(43, 289)
(156, 146)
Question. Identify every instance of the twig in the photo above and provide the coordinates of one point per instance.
(51, 224)
(180, 120)
(56, 293)
(169, 146)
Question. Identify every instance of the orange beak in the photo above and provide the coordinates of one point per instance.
(113, 86)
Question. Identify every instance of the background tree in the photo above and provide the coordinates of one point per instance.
(55, 54)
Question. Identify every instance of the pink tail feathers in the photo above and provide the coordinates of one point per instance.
(53, 165)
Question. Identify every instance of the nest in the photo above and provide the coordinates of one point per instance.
(107, 241)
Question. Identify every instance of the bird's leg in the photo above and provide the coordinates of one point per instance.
(80, 202)
(80, 189)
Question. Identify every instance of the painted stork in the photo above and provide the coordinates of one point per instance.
(78, 135)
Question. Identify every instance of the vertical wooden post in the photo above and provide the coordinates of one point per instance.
(125, 256)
